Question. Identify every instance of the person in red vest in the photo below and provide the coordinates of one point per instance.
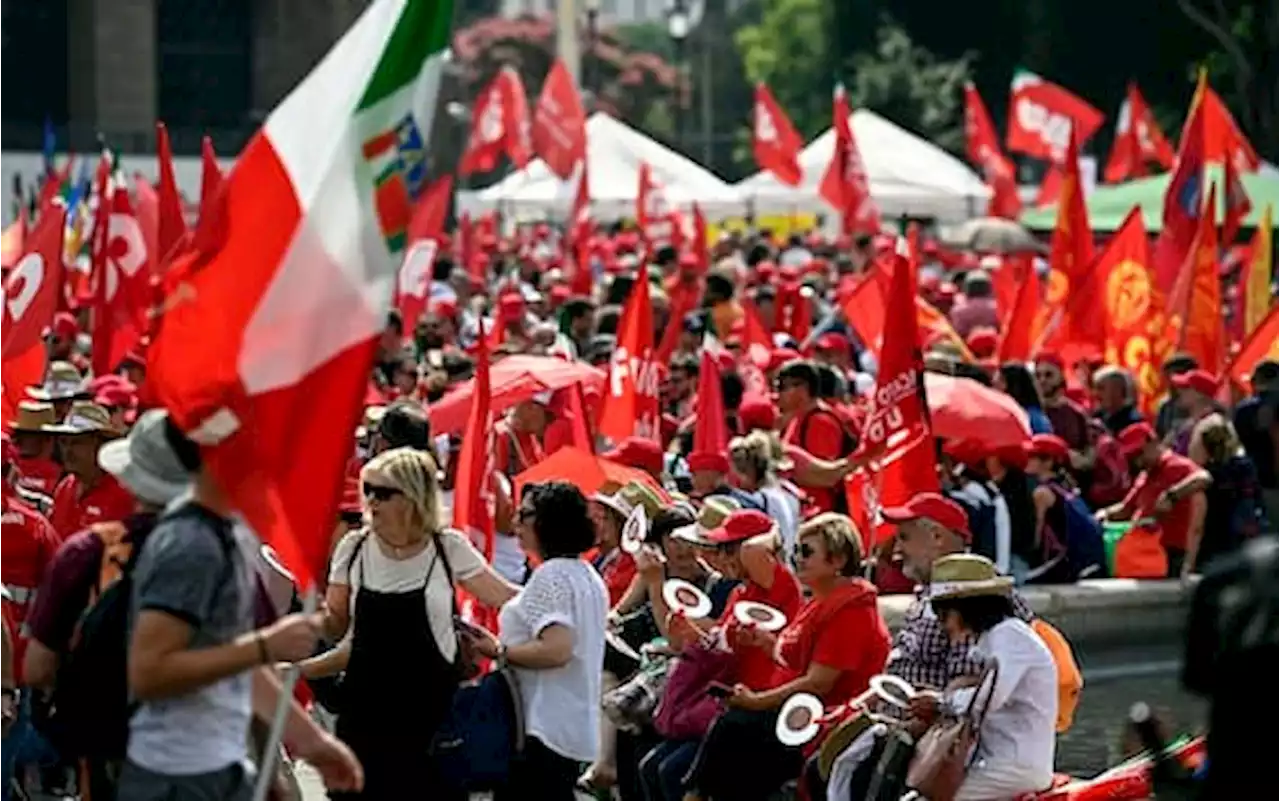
(38, 472)
(29, 543)
(87, 494)
(811, 424)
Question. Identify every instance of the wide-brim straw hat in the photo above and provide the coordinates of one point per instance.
(33, 416)
(966, 575)
(84, 417)
(62, 382)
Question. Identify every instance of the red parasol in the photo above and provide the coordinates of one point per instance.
(584, 470)
(514, 379)
(961, 408)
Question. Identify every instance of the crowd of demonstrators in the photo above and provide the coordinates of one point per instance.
(105, 500)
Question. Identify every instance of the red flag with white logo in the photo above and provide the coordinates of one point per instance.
(630, 404)
(774, 139)
(1138, 141)
(413, 282)
(559, 123)
(515, 119)
(983, 149)
(580, 235)
(122, 281)
(31, 296)
(844, 184)
(896, 416)
(488, 132)
(1042, 115)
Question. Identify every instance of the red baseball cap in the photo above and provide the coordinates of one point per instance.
(638, 452)
(1054, 359)
(832, 341)
(757, 412)
(64, 325)
(780, 356)
(1134, 437)
(740, 525)
(704, 460)
(1049, 446)
(983, 341)
(1196, 380)
(943, 511)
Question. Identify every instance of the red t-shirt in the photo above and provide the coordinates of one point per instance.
(75, 508)
(617, 570)
(39, 474)
(755, 665)
(820, 433)
(516, 451)
(1167, 472)
(842, 631)
(29, 544)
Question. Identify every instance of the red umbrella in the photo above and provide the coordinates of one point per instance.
(963, 409)
(514, 379)
(584, 470)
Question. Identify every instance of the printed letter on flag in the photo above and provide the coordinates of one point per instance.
(630, 404)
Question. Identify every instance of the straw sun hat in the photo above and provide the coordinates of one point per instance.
(966, 575)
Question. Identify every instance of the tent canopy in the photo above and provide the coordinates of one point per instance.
(908, 175)
(1108, 205)
(614, 155)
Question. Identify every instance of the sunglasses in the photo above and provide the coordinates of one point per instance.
(377, 492)
(804, 550)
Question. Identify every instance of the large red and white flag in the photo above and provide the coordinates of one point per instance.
(1138, 141)
(1042, 116)
(31, 296)
(845, 184)
(413, 283)
(265, 349)
(774, 140)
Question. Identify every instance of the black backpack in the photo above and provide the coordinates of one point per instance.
(88, 715)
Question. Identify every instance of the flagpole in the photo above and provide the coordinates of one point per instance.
(270, 752)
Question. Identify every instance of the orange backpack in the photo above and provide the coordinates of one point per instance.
(1070, 682)
(1140, 554)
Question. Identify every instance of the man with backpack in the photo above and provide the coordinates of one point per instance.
(197, 668)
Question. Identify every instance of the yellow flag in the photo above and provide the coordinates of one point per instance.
(1257, 282)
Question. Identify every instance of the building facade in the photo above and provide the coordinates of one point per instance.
(116, 66)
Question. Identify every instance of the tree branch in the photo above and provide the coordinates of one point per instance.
(1219, 32)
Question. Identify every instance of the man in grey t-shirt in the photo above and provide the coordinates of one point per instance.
(197, 668)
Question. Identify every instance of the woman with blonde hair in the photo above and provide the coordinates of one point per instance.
(755, 459)
(1233, 496)
(391, 593)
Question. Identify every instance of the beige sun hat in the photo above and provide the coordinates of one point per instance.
(33, 416)
(84, 417)
(627, 497)
(62, 381)
(715, 510)
(966, 575)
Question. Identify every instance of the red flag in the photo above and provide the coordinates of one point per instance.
(580, 235)
(473, 502)
(983, 150)
(844, 184)
(1017, 334)
(1237, 203)
(701, 247)
(414, 279)
(579, 427)
(122, 283)
(13, 241)
(683, 297)
(31, 295)
(559, 124)
(774, 139)
(1223, 138)
(896, 414)
(499, 124)
(468, 253)
(147, 207)
(1262, 343)
(630, 407)
(1138, 140)
(53, 184)
(1042, 116)
(1070, 249)
(893, 484)
(1255, 287)
(711, 434)
(1196, 300)
(210, 176)
(1183, 197)
(649, 203)
(172, 224)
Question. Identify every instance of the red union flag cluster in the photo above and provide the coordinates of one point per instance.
(265, 349)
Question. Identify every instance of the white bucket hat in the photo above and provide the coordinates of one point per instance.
(144, 461)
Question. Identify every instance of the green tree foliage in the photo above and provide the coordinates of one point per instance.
(907, 84)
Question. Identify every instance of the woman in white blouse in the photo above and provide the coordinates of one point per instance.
(391, 599)
(1016, 741)
(553, 637)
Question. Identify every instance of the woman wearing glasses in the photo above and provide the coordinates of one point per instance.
(391, 592)
(832, 648)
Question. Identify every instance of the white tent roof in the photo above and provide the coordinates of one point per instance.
(614, 154)
(908, 175)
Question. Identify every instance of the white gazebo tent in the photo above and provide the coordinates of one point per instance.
(908, 175)
(614, 155)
